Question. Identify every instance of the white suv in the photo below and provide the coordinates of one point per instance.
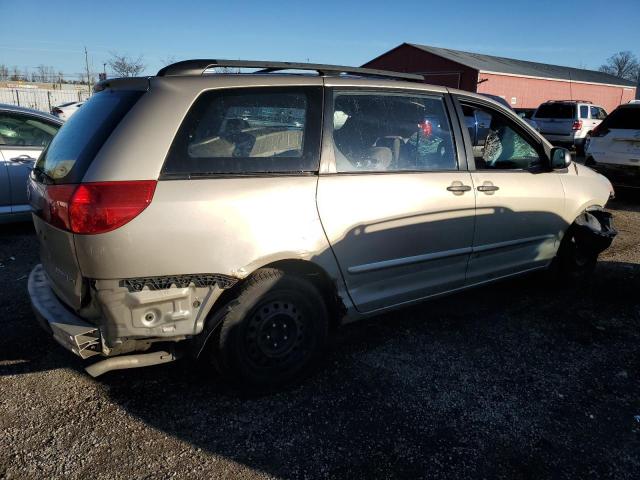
(568, 122)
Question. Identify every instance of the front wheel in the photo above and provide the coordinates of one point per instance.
(273, 332)
(574, 262)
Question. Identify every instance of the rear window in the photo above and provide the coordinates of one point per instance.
(69, 155)
(556, 110)
(248, 131)
(623, 119)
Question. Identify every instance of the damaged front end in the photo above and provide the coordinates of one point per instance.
(594, 231)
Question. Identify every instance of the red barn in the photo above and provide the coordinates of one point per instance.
(521, 83)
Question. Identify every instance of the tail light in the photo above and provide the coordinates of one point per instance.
(100, 207)
(577, 125)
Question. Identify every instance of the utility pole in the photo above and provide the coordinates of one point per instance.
(86, 61)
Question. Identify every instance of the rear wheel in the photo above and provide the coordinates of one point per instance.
(272, 333)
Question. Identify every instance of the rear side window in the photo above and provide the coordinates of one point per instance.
(248, 131)
(72, 150)
(556, 110)
(391, 132)
(584, 111)
(623, 119)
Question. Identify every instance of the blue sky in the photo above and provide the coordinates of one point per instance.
(574, 33)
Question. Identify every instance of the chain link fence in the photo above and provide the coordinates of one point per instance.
(40, 98)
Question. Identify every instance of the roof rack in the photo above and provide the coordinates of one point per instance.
(198, 67)
(571, 101)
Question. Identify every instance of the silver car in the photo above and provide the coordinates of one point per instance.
(241, 218)
(24, 133)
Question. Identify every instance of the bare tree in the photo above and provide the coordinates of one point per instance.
(168, 60)
(623, 65)
(40, 74)
(126, 66)
(15, 74)
(4, 72)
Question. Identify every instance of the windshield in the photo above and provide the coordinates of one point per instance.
(70, 153)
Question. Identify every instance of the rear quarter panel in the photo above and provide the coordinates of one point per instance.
(226, 225)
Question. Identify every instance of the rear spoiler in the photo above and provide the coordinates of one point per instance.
(124, 83)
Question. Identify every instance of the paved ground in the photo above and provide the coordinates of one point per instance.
(516, 380)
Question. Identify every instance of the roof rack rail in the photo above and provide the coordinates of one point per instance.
(571, 100)
(198, 67)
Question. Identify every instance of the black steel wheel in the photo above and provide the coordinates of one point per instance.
(273, 332)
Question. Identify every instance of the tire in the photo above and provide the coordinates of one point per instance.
(573, 264)
(585, 144)
(273, 333)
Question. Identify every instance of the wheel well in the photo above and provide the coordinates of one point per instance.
(303, 268)
(320, 279)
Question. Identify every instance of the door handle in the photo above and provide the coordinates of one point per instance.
(22, 159)
(488, 188)
(458, 188)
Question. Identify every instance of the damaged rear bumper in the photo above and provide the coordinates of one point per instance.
(79, 336)
(68, 329)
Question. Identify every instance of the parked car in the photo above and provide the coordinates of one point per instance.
(568, 122)
(64, 111)
(504, 103)
(613, 148)
(24, 133)
(526, 114)
(245, 242)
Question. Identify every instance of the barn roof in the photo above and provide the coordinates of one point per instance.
(489, 63)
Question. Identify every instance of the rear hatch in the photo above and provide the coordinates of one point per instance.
(621, 136)
(55, 178)
(555, 118)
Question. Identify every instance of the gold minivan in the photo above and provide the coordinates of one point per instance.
(241, 217)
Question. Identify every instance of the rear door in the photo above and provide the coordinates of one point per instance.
(519, 200)
(555, 118)
(58, 171)
(24, 138)
(395, 196)
(596, 115)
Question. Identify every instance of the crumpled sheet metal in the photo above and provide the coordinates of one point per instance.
(595, 231)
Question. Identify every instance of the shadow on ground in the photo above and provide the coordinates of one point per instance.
(520, 379)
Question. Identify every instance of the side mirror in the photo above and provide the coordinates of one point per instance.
(560, 158)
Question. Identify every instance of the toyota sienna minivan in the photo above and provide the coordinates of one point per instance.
(240, 218)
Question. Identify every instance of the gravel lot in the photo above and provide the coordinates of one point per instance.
(516, 380)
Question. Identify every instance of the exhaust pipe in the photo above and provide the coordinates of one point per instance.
(131, 361)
